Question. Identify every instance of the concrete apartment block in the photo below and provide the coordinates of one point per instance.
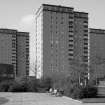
(81, 50)
(22, 54)
(61, 37)
(14, 50)
(97, 52)
(81, 36)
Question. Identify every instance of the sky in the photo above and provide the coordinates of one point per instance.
(20, 15)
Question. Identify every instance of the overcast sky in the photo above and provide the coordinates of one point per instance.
(17, 13)
(20, 14)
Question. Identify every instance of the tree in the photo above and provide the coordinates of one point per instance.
(34, 70)
(79, 71)
(97, 66)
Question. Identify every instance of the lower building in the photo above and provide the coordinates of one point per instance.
(14, 50)
(6, 72)
(97, 52)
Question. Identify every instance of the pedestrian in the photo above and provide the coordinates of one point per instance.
(50, 90)
(55, 92)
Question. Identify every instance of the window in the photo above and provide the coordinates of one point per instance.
(70, 49)
(86, 21)
(62, 22)
(85, 43)
(71, 26)
(13, 44)
(27, 41)
(27, 38)
(56, 17)
(85, 26)
(85, 57)
(13, 53)
(27, 56)
(85, 39)
(51, 45)
(70, 22)
(70, 45)
(70, 58)
(13, 36)
(85, 60)
(85, 47)
(85, 34)
(51, 16)
(70, 30)
(71, 16)
(27, 45)
(85, 51)
(13, 40)
(27, 49)
(27, 61)
(13, 56)
(70, 54)
(85, 30)
(27, 71)
(70, 35)
(14, 61)
(13, 49)
(70, 40)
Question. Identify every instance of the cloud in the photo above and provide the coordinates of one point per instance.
(28, 19)
(27, 23)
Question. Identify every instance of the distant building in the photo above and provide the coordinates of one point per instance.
(14, 50)
(6, 72)
(61, 37)
(97, 52)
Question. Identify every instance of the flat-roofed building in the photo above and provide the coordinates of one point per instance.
(61, 37)
(14, 50)
(97, 52)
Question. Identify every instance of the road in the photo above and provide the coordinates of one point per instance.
(38, 99)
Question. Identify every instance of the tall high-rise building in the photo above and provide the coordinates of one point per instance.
(61, 37)
(14, 50)
(97, 52)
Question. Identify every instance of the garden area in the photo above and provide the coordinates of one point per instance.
(70, 86)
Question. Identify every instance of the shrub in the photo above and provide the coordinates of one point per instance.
(18, 87)
(33, 84)
(75, 94)
(88, 92)
(5, 85)
(69, 85)
(25, 85)
(73, 89)
(46, 83)
(42, 85)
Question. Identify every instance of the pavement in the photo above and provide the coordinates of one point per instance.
(38, 99)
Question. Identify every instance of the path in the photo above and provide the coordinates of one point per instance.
(39, 99)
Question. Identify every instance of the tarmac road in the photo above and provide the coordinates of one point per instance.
(38, 99)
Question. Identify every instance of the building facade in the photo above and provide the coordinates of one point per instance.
(61, 37)
(97, 52)
(6, 72)
(14, 50)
